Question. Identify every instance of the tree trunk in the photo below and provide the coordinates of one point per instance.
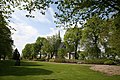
(56, 55)
(76, 45)
(0, 57)
(76, 57)
(48, 57)
(40, 55)
(69, 55)
(52, 55)
(4, 57)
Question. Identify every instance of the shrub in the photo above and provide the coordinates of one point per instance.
(59, 60)
(71, 61)
(42, 59)
(109, 62)
(117, 61)
(95, 61)
(51, 60)
(61, 53)
(81, 62)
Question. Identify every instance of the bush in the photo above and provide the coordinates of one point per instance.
(95, 61)
(71, 61)
(109, 62)
(117, 61)
(51, 60)
(59, 60)
(42, 59)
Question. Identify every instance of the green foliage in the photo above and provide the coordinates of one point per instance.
(54, 42)
(95, 34)
(71, 61)
(73, 11)
(115, 37)
(39, 44)
(62, 53)
(109, 62)
(82, 55)
(47, 47)
(72, 39)
(7, 6)
(6, 41)
(42, 46)
(51, 60)
(95, 61)
(27, 51)
(59, 60)
(42, 59)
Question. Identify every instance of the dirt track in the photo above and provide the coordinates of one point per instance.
(108, 69)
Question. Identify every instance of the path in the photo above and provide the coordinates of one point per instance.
(108, 69)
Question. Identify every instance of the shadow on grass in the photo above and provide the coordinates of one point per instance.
(26, 68)
(22, 71)
(22, 63)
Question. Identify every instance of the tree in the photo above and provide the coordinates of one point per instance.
(55, 42)
(27, 51)
(91, 36)
(96, 34)
(115, 37)
(39, 44)
(6, 41)
(62, 53)
(72, 40)
(47, 48)
(73, 11)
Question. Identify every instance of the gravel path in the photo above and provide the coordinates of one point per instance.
(108, 69)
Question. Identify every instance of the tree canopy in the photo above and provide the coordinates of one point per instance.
(72, 39)
(73, 11)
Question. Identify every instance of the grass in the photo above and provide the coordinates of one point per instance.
(49, 71)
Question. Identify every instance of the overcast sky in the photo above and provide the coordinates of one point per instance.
(28, 29)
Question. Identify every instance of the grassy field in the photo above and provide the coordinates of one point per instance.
(49, 71)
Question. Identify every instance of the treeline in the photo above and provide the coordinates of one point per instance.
(96, 39)
(43, 46)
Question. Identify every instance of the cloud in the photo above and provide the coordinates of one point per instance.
(47, 18)
(24, 34)
(52, 12)
(18, 14)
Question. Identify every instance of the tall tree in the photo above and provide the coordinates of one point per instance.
(47, 49)
(91, 36)
(55, 41)
(96, 34)
(72, 39)
(6, 41)
(27, 51)
(39, 44)
(115, 37)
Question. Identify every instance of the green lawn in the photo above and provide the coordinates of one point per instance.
(49, 71)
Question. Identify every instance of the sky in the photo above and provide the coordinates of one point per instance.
(28, 29)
